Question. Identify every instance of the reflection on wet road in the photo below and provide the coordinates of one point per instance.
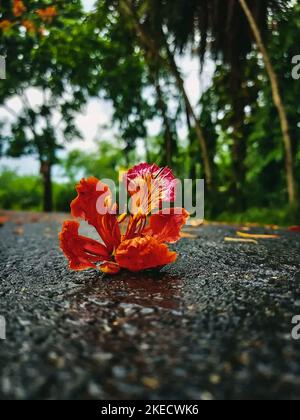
(131, 289)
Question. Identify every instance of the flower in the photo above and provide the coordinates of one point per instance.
(3, 220)
(47, 14)
(135, 242)
(154, 184)
(142, 253)
(18, 8)
(29, 26)
(5, 25)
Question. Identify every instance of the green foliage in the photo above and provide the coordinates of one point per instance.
(124, 77)
(20, 192)
(265, 216)
(26, 192)
(105, 163)
(101, 54)
(63, 195)
(34, 130)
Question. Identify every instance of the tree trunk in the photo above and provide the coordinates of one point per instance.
(198, 128)
(239, 147)
(147, 153)
(289, 160)
(168, 135)
(193, 170)
(169, 62)
(46, 172)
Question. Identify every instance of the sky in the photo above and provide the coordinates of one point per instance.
(98, 113)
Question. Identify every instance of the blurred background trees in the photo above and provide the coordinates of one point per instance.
(242, 136)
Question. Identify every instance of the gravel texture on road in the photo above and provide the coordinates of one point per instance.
(215, 325)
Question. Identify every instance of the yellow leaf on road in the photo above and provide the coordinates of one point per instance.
(188, 235)
(256, 236)
(241, 240)
(196, 222)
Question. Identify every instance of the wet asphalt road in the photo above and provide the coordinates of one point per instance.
(215, 325)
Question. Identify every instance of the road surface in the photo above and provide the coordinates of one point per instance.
(215, 325)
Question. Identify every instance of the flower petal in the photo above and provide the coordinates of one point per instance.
(82, 252)
(93, 204)
(47, 14)
(110, 268)
(167, 227)
(18, 8)
(142, 253)
(159, 181)
(85, 205)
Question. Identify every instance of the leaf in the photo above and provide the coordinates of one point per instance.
(241, 240)
(245, 229)
(256, 236)
(19, 231)
(150, 382)
(187, 235)
(196, 222)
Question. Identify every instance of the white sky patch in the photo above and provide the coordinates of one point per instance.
(88, 5)
(26, 165)
(94, 123)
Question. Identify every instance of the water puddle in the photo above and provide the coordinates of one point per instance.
(143, 290)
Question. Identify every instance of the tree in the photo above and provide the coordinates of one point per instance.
(289, 160)
(35, 63)
(226, 34)
(121, 74)
(108, 160)
(154, 41)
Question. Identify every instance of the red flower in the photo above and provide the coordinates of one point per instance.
(142, 253)
(47, 14)
(82, 252)
(141, 247)
(167, 227)
(3, 220)
(18, 8)
(29, 26)
(5, 25)
(294, 228)
(151, 186)
(94, 198)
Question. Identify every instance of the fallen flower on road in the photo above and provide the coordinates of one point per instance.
(256, 236)
(3, 220)
(143, 244)
(294, 228)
